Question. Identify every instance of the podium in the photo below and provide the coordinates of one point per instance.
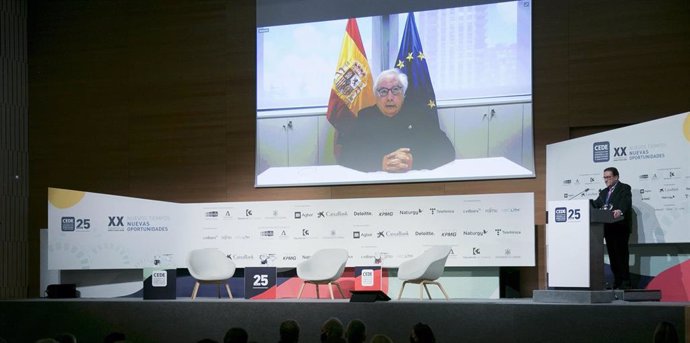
(575, 245)
(575, 256)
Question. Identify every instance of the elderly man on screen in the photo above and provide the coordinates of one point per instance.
(393, 137)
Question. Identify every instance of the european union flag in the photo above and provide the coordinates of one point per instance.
(412, 62)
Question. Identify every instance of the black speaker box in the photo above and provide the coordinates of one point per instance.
(368, 296)
(68, 290)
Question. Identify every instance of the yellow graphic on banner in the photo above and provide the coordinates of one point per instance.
(686, 127)
(64, 198)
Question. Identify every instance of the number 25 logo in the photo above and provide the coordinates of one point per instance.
(261, 280)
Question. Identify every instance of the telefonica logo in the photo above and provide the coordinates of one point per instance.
(435, 211)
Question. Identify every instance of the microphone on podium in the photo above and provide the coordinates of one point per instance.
(578, 194)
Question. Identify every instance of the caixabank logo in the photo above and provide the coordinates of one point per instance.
(601, 152)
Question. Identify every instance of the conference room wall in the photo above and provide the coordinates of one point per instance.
(157, 99)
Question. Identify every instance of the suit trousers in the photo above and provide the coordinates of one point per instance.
(616, 237)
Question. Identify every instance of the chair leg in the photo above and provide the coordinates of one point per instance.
(300, 290)
(330, 289)
(218, 289)
(401, 289)
(317, 290)
(340, 289)
(196, 289)
(421, 287)
(227, 287)
(427, 290)
(442, 290)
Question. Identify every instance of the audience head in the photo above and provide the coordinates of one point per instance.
(421, 333)
(332, 330)
(66, 338)
(289, 331)
(236, 335)
(381, 339)
(114, 337)
(356, 331)
(665, 332)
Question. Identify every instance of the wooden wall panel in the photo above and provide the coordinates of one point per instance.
(14, 152)
(156, 99)
(629, 61)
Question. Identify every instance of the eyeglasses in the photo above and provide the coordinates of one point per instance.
(608, 177)
(382, 92)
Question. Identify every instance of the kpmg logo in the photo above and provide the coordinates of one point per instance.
(601, 151)
(561, 214)
(68, 224)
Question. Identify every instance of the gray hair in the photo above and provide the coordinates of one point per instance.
(402, 78)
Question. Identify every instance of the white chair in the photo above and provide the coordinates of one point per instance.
(424, 270)
(324, 267)
(210, 265)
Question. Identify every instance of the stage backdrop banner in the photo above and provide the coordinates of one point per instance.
(652, 157)
(98, 231)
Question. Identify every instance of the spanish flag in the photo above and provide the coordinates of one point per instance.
(353, 85)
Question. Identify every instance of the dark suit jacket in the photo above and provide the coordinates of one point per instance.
(375, 135)
(621, 199)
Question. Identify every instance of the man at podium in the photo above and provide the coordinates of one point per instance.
(617, 197)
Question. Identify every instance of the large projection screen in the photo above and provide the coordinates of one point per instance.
(469, 71)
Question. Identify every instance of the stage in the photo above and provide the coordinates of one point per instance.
(455, 320)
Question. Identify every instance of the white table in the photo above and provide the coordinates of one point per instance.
(462, 169)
